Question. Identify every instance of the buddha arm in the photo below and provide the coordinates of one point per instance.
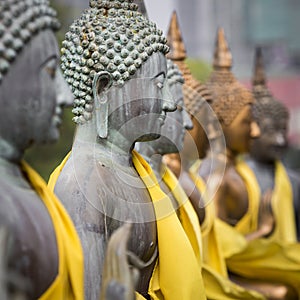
(119, 280)
(222, 203)
(194, 195)
(266, 217)
(228, 210)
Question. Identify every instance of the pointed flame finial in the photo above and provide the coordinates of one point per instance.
(175, 41)
(222, 56)
(142, 7)
(259, 77)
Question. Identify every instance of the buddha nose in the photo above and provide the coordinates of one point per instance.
(187, 121)
(168, 103)
(64, 96)
(255, 130)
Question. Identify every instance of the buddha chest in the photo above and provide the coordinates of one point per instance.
(33, 253)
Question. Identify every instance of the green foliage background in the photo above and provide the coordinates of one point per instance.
(45, 158)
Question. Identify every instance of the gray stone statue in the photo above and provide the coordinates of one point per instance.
(171, 141)
(32, 95)
(267, 151)
(173, 132)
(233, 104)
(12, 285)
(113, 58)
(119, 276)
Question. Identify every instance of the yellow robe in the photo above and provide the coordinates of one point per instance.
(282, 204)
(263, 259)
(217, 244)
(187, 214)
(177, 276)
(68, 285)
(269, 259)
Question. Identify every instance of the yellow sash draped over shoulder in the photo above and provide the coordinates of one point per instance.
(177, 275)
(188, 216)
(55, 174)
(263, 259)
(282, 204)
(68, 285)
(212, 254)
(219, 241)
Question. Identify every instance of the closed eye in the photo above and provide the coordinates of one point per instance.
(51, 71)
(179, 107)
(50, 66)
(160, 79)
(160, 85)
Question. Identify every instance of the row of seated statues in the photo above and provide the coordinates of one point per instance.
(173, 189)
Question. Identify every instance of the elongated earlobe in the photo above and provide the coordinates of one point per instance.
(101, 84)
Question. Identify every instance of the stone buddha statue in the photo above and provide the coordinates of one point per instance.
(172, 134)
(266, 154)
(43, 240)
(193, 92)
(114, 60)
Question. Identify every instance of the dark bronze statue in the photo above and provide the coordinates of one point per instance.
(266, 154)
(193, 92)
(206, 132)
(32, 95)
(232, 105)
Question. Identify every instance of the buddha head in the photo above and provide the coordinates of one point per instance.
(196, 95)
(32, 88)
(177, 122)
(114, 60)
(271, 115)
(232, 102)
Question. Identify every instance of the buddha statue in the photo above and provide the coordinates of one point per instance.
(44, 249)
(172, 134)
(114, 60)
(266, 154)
(193, 92)
(260, 263)
(206, 132)
(232, 105)
(172, 141)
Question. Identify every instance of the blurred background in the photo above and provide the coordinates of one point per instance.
(271, 24)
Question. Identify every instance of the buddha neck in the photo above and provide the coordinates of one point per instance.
(151, 155)
(9, 152)
(114, 148)
(184, 162)
(217, 148)
(230, 156)
(263, 159)
(10, 158)
(218, 145)
(120, 153)
(263, 162)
